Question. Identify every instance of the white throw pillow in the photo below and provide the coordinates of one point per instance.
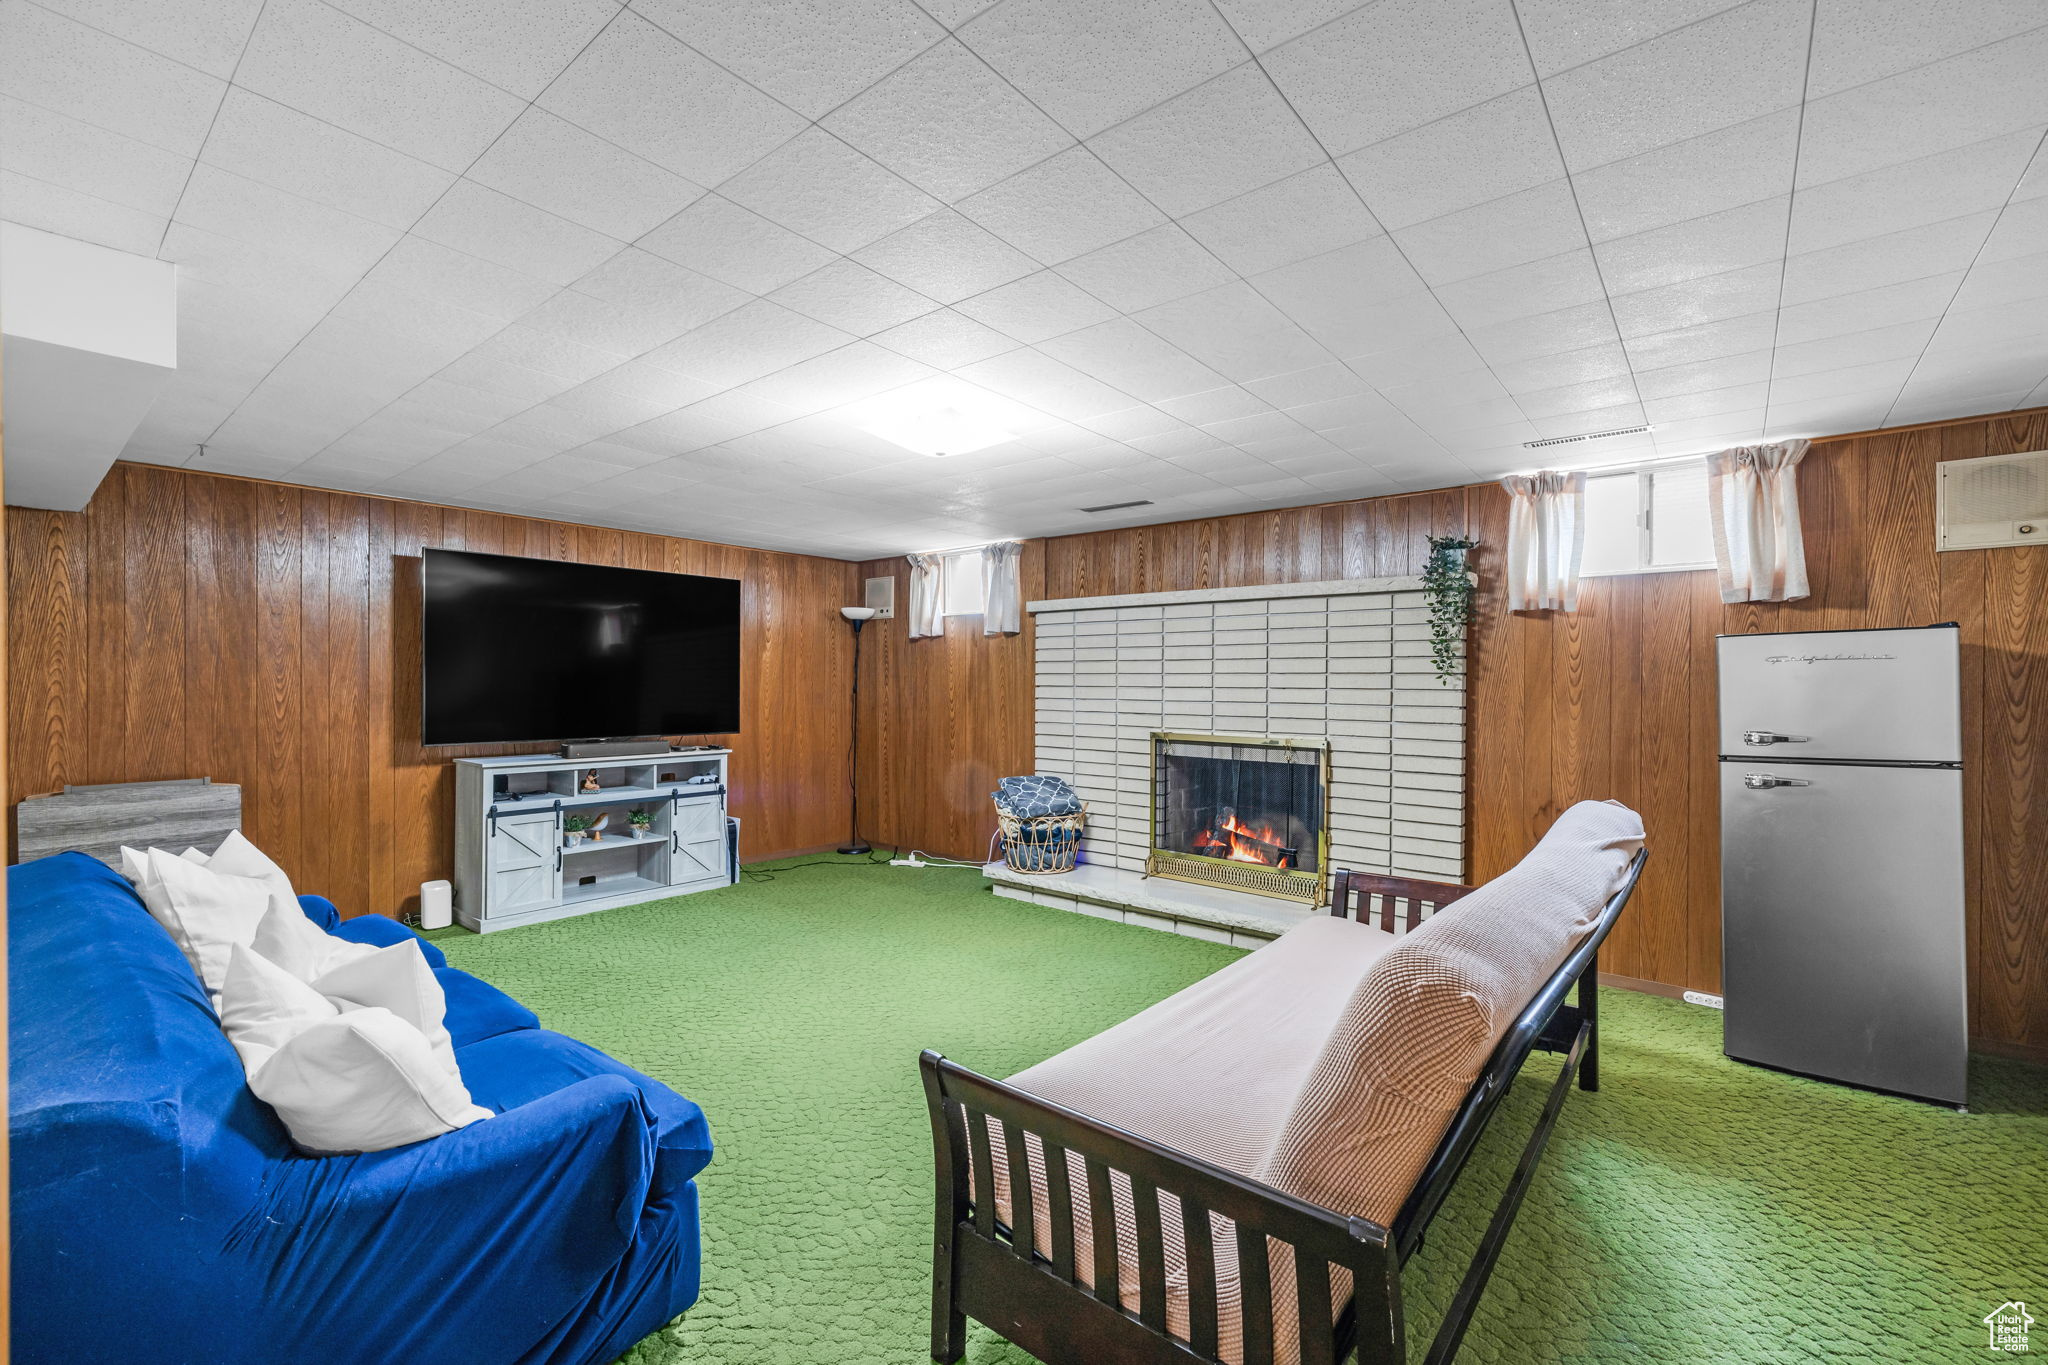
(362, 1081)
(206, 913)
(263, 1007)
(395, 978)
(135, 862)
(285, 936)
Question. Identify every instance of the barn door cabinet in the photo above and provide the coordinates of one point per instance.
(516, 864)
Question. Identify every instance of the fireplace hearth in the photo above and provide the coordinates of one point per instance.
(1249, 814)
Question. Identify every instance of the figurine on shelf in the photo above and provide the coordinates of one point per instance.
(590, 783)
(597, 829)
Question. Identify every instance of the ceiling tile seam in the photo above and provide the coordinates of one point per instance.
(1370, 213)
(1578, 210)
(1791, 205)
(1922, 66)
(619, 6)
(407, 232)
(129, 42)
(1974, 259)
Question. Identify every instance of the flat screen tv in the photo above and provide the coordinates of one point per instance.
(519, 650)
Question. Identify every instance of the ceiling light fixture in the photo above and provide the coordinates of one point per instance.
(945, 430)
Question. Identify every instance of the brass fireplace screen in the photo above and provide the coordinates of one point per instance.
(1244, 813)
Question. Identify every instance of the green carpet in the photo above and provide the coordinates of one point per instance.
(1694, 1210)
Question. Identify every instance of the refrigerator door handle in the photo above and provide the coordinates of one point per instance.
(1761, 738)
(1757, 782)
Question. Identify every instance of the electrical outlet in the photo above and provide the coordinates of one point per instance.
(1712, 1002)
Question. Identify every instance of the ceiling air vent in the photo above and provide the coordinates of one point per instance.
(1589, 436)
(1996, 500)
(1118, 506)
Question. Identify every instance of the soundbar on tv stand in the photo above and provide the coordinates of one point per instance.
(625, 748)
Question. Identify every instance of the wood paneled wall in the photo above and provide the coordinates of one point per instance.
(190, 625)
(1614, 700)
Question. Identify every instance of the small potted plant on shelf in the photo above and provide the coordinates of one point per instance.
(642, 822)
(574, 828)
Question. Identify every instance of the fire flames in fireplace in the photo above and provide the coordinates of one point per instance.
(1235, 841)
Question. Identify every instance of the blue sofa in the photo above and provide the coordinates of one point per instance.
(162, 1214)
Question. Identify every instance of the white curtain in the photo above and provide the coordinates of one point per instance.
(1758, 547)
(927, 602)
(1546, 532)
(1002, 591)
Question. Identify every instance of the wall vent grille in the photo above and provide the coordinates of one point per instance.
(1992, 501)
(1589, 436)
(1118, 506)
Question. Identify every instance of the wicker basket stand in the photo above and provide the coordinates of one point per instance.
(1041, 843)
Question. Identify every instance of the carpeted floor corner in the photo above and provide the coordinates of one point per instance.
(1693, 1210)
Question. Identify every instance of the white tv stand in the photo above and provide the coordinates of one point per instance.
(514, 864)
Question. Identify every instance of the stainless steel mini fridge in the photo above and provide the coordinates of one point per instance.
(1842, 857)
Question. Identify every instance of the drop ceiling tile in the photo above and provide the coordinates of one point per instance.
(635, 85)
(1706, 341)
(853, 298)
(1509, 231)
(1709, 245)
(1737, 65)
(1724, 169)
(1041, 382)
(1888, 258)
(811, 57)
(1237, 332)
(816, 185)
(1887, 375)
(2005, 281)
(207, 34)
(1265, 24)
(1703, 434)
(455, 405)
(702, 425)
(550, 353)
(1228, 136)
(1479, 154)
(945, 339)
(1593, 395)
(622, 329)
(514, 234)
(517, 45)
(1709, 298)
(1589, 364)
(1215, 405)
(1185, 441)
(1544, 286)
(1036, 307)
(1585, 423)
(324, 63)
(1705, 376)
(1305, 215)
(1568, 33)
(1448, 354)
(1062, 207)
(747, 343)
(1567, 329)
(1124, 354)
(1150, 268)
(947, 124)
(1258, 426)
(1385, 68)
(946, 257)
(1869, 308)
(447, 326)
(554, 165)
(1707, 403)
(2021, 230)
(1133, 423)
(262, 140)
(644, 381)
(1914, 193)
(1897, 341)
(614, 410)
(59, 150)
(637, 280)
(847, 375)
(1857, 41)
(737, 246)
(55, 63)
(1842, 412)
(428, 269)
(2019, 321)
(216, 201)
(1319, 384)
(1966, 99)
(1091, 66)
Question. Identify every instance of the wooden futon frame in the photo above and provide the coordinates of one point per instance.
(985, 1269)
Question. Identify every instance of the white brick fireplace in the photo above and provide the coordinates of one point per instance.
(1345, 662)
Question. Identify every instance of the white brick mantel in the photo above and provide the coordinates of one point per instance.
(1347, 661)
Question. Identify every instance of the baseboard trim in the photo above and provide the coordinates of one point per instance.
(1636, 983)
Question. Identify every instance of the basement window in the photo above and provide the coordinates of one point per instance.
(960, 583)
(1652, 519)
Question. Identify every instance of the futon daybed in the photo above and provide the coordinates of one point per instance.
(161, 1212)
(1274, 1140)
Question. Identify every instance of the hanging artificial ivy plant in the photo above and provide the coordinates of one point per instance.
(1448, 587)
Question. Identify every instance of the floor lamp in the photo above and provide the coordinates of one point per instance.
(860, 616)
